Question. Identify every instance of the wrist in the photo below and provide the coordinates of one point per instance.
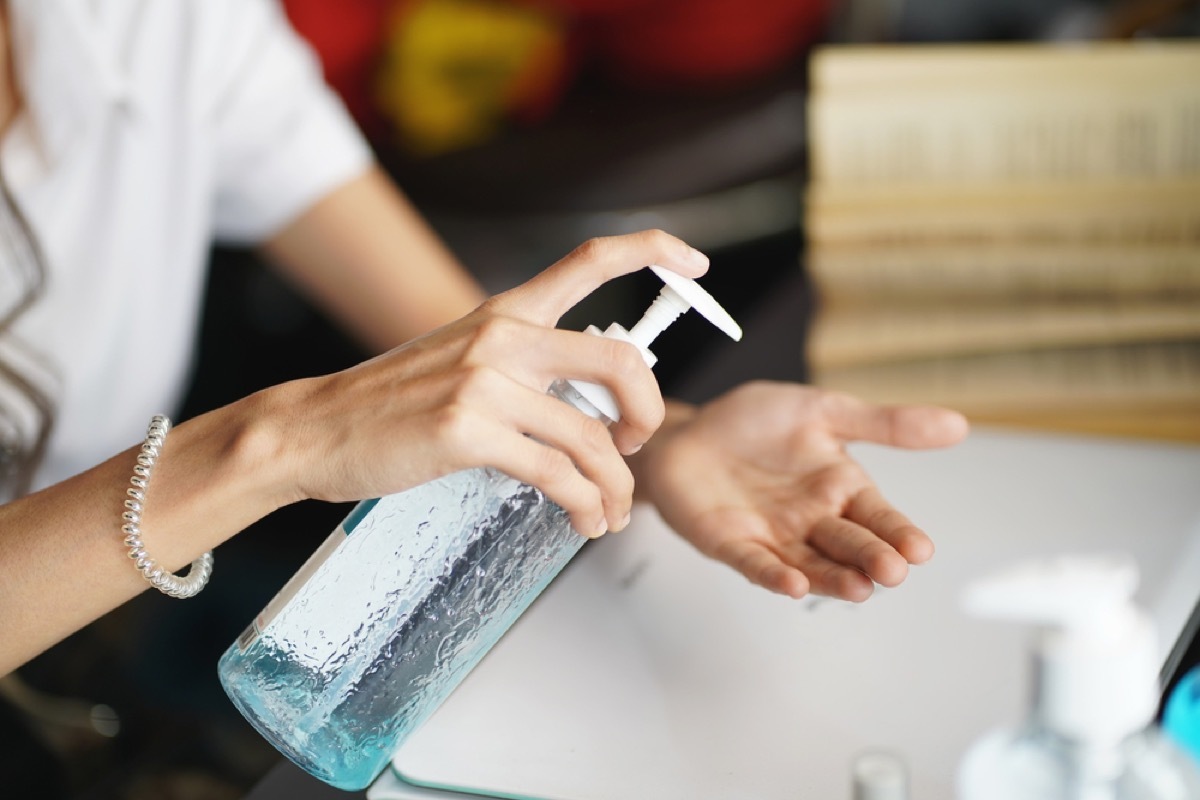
(262, 449)
(641, 464)
(219, 473)
(678, 413)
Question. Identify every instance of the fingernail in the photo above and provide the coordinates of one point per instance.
(600, 530)
(620, 526)
(696, 258)
(633, 450)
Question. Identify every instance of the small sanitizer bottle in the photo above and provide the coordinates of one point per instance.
(1090, 734)
(409, 593)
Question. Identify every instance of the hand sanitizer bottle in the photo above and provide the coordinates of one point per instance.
(410, 592)
(1089, 735)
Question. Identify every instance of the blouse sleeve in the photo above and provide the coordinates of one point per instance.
(283, 138)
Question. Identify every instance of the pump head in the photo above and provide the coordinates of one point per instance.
(1097, 652)
(677, 296)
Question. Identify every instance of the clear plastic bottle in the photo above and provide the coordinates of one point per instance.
(409, 593)
(1090, 733)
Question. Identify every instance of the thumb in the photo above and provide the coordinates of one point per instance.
(547, 296)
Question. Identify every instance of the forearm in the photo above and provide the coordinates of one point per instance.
(62, 559)
(369, 259)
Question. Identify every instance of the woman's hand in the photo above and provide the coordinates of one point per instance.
(473, 393)
(760, 479)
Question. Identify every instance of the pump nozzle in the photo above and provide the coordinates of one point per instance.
(1097, 652)
(677, 296)
(1064, 592)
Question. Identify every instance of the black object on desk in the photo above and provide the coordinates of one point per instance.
(288, 782)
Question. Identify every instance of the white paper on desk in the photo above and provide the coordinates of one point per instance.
(648, 671)
(580, 638)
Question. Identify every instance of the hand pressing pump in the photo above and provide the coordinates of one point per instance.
(409, 593)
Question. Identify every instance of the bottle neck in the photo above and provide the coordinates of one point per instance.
(1095, 691)
(1093, 768)
(665, 309)
(564, 390)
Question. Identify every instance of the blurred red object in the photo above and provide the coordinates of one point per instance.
(587, 10)
(694, 44)
(697, 44)
(348, 37)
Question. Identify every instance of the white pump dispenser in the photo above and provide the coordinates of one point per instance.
(1090, 734)
(677, 296)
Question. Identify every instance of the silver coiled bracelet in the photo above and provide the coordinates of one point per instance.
(161, 579)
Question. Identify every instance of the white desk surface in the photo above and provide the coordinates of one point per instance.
(647, 672)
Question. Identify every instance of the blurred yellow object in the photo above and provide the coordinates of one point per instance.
(455, 71)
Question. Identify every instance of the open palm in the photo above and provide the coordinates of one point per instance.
(760, 479)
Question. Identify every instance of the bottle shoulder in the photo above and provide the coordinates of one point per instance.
(1158, 769)
(1010, 763)
(1036, 765)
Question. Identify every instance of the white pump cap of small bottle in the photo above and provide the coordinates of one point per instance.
(677, 296)
(1097, 652)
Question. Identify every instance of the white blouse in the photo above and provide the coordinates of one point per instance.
(149, 128)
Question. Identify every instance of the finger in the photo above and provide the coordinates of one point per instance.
(871, 510)
(486, 418)
(484, 440)
(537, 356)
(850, 544)
(585, 441)
(741, 540)
(550, 294)
(620, 368)
(762, 566)
(913, 427)
(831, 578)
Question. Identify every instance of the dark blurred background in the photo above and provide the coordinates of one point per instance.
(520, 129)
